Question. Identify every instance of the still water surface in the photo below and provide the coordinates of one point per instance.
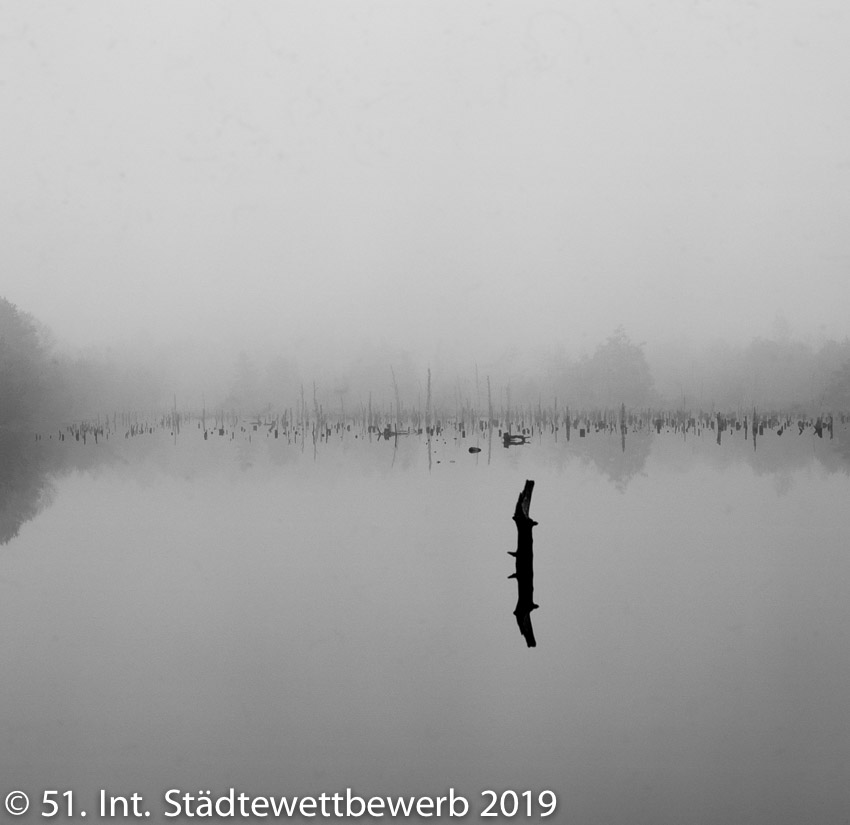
(222, 614)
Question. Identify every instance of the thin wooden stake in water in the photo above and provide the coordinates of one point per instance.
(397, 402)
(489, 405)
(428, 415)
(524, 555)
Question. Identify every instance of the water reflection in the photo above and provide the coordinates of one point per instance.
(619, 460)
(29, 466)
(25, 487)
(204, 615)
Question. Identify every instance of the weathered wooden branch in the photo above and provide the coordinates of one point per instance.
(524, 556)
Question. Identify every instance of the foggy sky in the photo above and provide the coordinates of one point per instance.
(475, 175)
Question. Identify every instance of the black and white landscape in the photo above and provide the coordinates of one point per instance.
(299, 302)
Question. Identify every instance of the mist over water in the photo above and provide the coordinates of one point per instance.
(295, 299)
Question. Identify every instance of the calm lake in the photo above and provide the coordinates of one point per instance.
(289, 619)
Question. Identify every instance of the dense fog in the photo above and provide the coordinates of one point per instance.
(44, 384)
(225, 202)
(296, 297)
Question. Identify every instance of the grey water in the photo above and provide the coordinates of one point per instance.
(296, 619)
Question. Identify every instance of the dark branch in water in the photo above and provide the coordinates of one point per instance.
(524, 555)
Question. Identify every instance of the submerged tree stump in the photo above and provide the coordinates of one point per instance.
(524, 555)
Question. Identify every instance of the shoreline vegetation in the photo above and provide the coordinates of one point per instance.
(510, 427)
(617, 443)
(780, 385)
